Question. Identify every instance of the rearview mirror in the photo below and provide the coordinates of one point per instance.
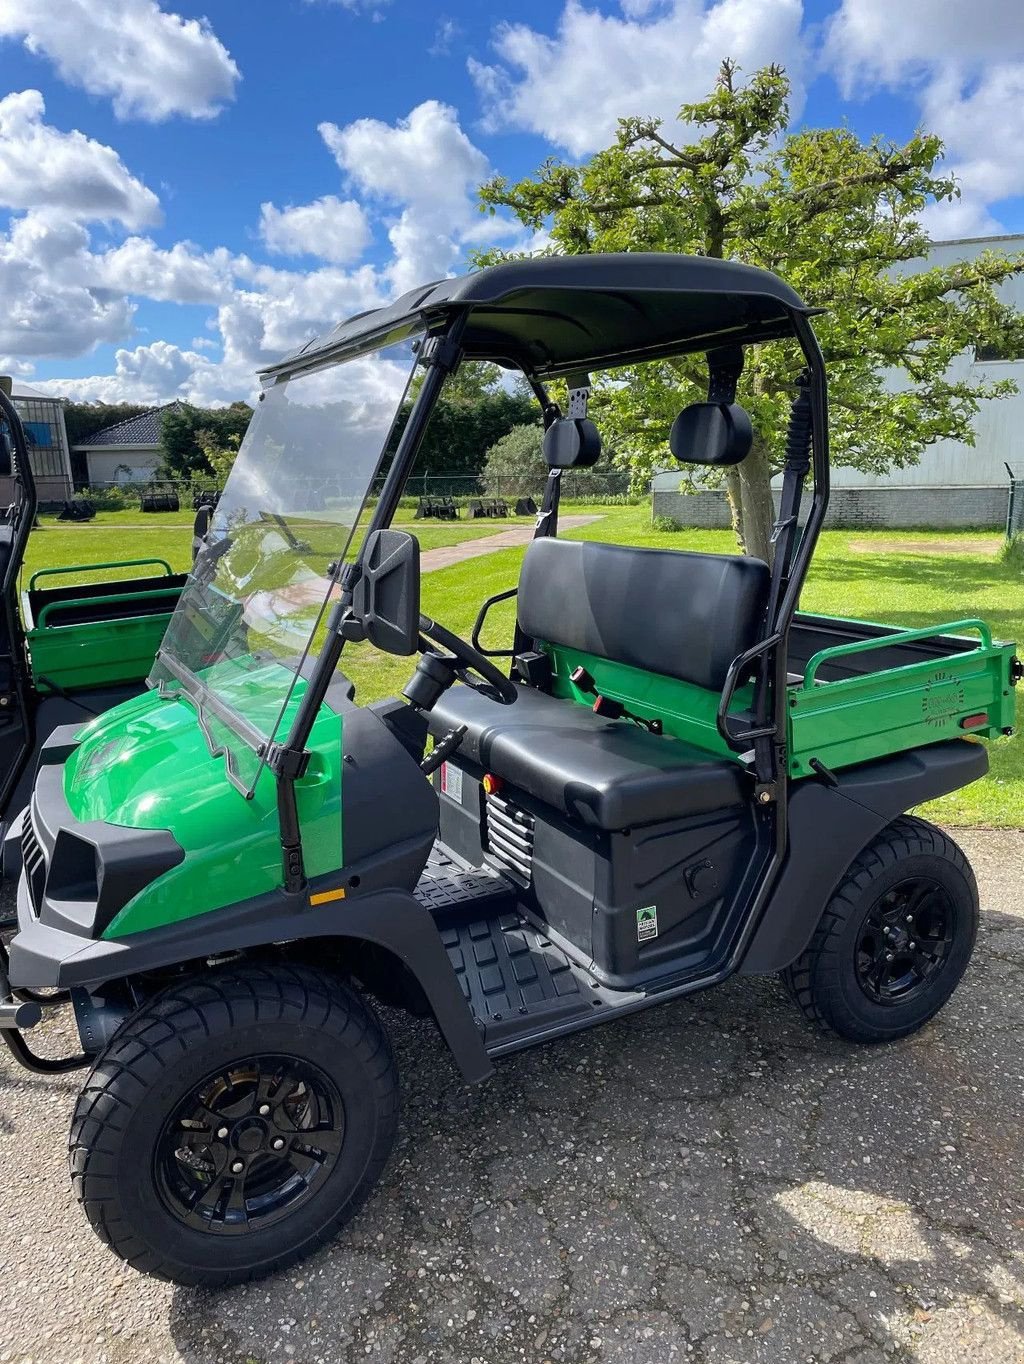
(386, 600)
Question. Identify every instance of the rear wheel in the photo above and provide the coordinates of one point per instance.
(894, 940)
(234, 1124)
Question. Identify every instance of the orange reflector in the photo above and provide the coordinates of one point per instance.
(324, 897)
(491, 783)
(974, 721)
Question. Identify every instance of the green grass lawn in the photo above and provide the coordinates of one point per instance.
(907, 578)
(115, 536)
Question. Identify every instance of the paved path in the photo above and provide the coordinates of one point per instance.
(712, 1181)
(446, 555)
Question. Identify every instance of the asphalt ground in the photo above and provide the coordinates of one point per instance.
(710, 1181)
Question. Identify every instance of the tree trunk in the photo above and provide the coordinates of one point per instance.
(734, 492)
(757, 511)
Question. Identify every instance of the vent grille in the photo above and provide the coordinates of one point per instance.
(34, 862)
(509, 836)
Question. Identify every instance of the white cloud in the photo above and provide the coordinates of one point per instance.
(41, 167)
(428, 169)
(333, 229)
(572, 87)
(153, 64)
(964, 65)
(425, 158)
(154, 373)
(50, 308)
(879, 41)
(181, 274)
(417, 178)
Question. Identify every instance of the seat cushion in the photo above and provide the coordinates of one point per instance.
(664, 611)
(607, 773)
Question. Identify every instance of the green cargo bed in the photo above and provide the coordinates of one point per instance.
(97, 634)
(860, 690)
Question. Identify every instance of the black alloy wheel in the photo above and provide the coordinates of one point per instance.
(250, 1144)
(905, 940)
(893, 940)
(234, 1123)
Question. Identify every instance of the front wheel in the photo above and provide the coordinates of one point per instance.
(894, 940)
(234, 1124)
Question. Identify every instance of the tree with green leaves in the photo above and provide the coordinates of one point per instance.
(840, 220)
(476, 409)
(516, 467)
(186, 431)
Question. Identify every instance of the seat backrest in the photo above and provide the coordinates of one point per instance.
(672, 612)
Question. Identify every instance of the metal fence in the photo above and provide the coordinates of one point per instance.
(577, 484)
(1015, 506)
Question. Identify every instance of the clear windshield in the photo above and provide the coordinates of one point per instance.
(248, 619)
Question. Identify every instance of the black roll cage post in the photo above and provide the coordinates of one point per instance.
(22, 519)
(440, 353)
(771, 654)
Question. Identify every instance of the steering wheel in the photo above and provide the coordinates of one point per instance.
(465, 661)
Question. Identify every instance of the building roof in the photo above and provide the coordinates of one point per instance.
(558, 314)
(19, 389)
(134, 431)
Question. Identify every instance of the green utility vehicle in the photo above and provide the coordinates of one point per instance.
(84, 638)
(666, 775)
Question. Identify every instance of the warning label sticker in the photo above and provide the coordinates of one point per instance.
(451, 782)
(647, 923)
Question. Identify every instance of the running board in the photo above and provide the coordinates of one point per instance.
(521, 988)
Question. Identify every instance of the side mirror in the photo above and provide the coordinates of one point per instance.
(199, 528)
(386, 600)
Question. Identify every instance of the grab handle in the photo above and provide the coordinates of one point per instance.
(94, 568)
(862, 646)
(115, 599)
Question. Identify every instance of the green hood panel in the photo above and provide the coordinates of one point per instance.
(146, 765)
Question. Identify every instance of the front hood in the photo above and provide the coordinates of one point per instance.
(146, 764)
(143, 764)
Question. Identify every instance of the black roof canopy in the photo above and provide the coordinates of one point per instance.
(556, 314)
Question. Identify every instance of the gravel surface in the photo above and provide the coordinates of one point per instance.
(710, 1181)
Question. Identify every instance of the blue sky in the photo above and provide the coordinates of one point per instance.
(189, 191)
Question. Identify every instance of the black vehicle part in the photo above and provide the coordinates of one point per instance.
(17, 1013)
(467, 660)
(258, 1158)
(481, 617)
(79, 873)
(894, 939)
(673, 612)
(390, 920)
(586, 886)
(711, 433)
(386, 599)
(558, 315)
(572, 443)
(605, 773)
(830, 825)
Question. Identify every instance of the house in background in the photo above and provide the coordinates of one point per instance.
(127, 452)
(43, 419)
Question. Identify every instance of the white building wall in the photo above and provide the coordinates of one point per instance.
(107, 466)
(999, 425)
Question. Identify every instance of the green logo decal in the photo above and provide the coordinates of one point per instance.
(647, 923)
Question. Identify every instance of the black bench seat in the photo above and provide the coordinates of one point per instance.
(610, 774)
